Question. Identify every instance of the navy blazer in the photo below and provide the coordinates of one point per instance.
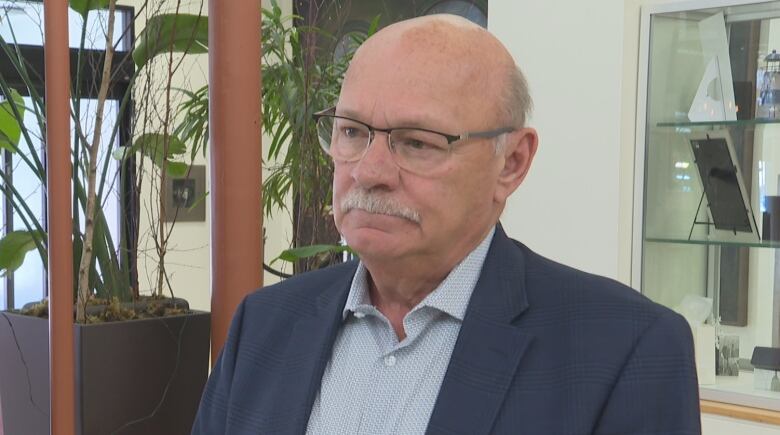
(543, 349)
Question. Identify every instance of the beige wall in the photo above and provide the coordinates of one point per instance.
(571, 51)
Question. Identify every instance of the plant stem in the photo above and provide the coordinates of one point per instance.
(89, 225)
(162, 233)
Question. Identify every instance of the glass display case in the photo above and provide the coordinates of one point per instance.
(708, 173)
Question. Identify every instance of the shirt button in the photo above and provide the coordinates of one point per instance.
(390, 361)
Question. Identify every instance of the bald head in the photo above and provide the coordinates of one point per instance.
(449, 50)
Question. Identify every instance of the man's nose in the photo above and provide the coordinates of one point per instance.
(376, 167)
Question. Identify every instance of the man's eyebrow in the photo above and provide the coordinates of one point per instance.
(422, 121)
(349, 114)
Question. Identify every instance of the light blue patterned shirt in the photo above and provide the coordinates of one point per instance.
(374, 384)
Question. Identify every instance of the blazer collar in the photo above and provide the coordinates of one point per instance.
(311, 344)
(500, 292)
(489, 347)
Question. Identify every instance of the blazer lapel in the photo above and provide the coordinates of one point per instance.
(309, 349)
(489, 347)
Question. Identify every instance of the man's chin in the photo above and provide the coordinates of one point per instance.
(372, 247)
(375, 241)
(367, 236)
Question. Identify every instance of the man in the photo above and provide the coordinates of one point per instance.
(445, 325)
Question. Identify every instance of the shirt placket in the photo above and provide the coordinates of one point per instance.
(363, 378)
(371, 416)
(406, 374)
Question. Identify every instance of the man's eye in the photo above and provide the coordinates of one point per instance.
(420, 145)
(417, 144)
(419, 141)
(352, 132)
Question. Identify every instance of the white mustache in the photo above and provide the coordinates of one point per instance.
(367, 201)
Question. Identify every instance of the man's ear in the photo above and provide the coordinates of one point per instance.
(518, 153)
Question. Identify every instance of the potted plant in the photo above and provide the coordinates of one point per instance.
(141, 364)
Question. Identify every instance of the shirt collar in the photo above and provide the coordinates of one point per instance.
(450, 296)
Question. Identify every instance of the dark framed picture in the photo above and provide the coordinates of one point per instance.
(185, 197)
(722, 182)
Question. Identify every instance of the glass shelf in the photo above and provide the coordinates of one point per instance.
(737, 123)
(756, 244)
(739, 390)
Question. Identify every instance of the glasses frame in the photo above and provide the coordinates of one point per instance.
(451, 138)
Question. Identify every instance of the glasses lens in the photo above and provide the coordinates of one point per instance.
(343, 139)
(325, 132)
(419, 150)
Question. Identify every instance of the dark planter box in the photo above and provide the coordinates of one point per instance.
(132, 377)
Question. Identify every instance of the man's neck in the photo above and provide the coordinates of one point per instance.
(395, 294)
(396, 287)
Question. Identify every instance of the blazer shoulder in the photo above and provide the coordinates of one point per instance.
(305, 287)
(549, 282)
(300, 293)
(607, 320)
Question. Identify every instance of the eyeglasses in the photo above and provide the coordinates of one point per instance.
(414, 149)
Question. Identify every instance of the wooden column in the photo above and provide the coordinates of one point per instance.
(60, 220)
(234, 125)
